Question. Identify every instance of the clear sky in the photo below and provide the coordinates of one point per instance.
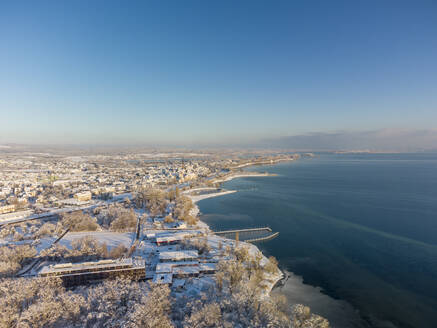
(213, 71)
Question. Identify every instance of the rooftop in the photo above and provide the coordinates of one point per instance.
(178, 255)
(103, 265)
(163, 278)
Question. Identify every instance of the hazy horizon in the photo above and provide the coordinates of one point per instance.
(385, 140)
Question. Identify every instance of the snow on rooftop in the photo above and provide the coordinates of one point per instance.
(166, 267)
(178, 255)
(163, 278)
(163, 268)
(86, 265)
(207, 267)
(186, 270)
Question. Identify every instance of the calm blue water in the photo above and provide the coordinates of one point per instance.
(362, 227)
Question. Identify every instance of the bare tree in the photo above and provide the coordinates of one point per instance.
(125, 221)
(12, 258)
(208, 315)
(154, 309)
(79, 221)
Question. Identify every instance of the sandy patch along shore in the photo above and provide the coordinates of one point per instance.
(196, 198)
(242, 175)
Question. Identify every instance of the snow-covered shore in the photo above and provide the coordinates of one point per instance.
(302, 315)
(242, 175)
(196, 198)
(271, 279)
(269, 162)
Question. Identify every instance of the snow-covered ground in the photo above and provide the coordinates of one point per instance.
(242, 175)
(44, 243)
(214, 240)
(111, 239)
(197, 198)
(189, 191)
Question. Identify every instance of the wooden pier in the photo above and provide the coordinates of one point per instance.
(237, 233)
(266, 238)
(224, 232)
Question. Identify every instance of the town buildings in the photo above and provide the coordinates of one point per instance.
(86, 272)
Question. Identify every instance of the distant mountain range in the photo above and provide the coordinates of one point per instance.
(396, 140)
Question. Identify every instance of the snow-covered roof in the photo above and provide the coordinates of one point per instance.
(100, 265)
(167, 267)
(178, 255)
(207, 267)
(163, 268)
(163, 278)
(150, 235)
(186, 270)
(166, 239)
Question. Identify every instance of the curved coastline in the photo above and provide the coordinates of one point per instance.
(273, 279)
(278, 280)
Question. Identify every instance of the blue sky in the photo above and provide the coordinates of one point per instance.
(187, 72)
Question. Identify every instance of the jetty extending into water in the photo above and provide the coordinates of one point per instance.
(224, 232)
(237, 233)
(266, 238)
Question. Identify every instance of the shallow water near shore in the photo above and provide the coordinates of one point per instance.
(340, 313)
(361, 227)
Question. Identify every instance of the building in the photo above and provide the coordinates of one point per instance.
(186, 271)
(83, 196)
(15, 215)
(207, 268)
(178, 256)
(169, 272)
(176, 225)
(7, 209)
(86, 272)
(163, 278)
(168, 238)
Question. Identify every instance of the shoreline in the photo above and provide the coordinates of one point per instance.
(273, 280)
(267, 162)
(197, 198)
(279, 281)
(243, 175)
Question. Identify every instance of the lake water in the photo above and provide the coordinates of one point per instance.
(363, 228)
